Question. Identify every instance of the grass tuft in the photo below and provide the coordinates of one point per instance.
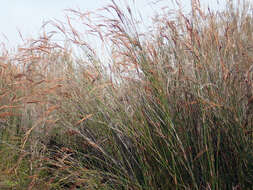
(170, 108)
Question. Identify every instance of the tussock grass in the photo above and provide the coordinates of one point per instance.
(168, 109)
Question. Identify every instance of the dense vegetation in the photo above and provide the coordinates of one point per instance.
(170, 108)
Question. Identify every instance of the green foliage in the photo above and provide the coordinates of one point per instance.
(172, 110)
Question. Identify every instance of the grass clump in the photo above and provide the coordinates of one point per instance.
(169, 109)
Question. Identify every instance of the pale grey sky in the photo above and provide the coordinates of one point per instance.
(28, 15)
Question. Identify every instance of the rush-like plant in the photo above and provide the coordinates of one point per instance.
(169, 108)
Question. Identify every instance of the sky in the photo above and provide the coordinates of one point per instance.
(27, 16)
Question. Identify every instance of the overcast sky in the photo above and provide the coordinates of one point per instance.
(28, 15)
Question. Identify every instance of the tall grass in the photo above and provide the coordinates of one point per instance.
(169, 109)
